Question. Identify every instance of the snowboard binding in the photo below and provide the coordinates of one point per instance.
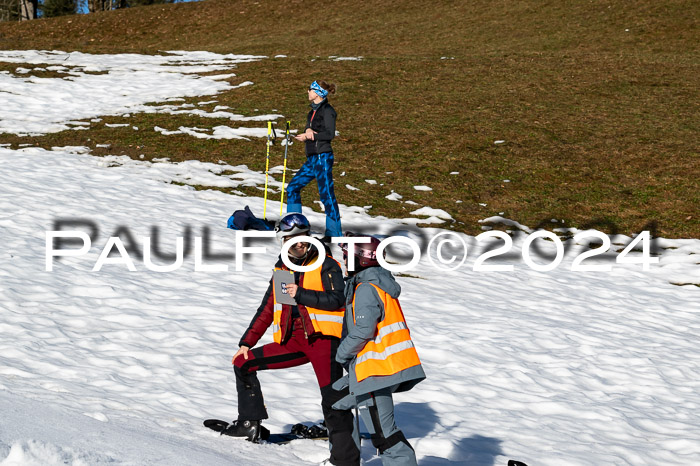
(253, 431)
(315, 431)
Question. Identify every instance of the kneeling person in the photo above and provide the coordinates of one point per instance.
(306, 332)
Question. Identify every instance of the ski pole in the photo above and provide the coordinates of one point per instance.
(270, 141)
(284, 169)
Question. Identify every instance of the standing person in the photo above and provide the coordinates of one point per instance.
(307, 332)
(320, 131)
(377, 351)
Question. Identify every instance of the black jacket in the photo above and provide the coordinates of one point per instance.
(322, 121)
(331, 298)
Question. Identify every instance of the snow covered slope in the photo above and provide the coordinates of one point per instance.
(560, 367)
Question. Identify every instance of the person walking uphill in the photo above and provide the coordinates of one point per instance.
(320, 131)
(377, 351)
(306, 332)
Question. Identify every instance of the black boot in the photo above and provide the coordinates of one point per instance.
(253, 431)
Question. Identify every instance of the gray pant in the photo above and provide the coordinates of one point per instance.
(377, 411)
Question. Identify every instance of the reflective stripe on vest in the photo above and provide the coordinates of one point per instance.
(325, 322)
(391, 350)
(338, 319)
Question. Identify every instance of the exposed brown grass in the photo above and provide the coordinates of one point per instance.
(597, 102)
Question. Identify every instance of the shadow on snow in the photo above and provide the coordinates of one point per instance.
(418, 420)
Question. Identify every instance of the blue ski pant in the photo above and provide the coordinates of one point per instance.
(377, 411)
(320, 167)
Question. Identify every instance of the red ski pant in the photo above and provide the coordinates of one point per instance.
(297, 350)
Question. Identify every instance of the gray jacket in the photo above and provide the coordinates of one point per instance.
(369, 311)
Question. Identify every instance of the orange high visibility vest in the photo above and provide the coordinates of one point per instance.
(325, 322)
(391, 350)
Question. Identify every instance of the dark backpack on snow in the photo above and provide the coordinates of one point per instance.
(246, 220)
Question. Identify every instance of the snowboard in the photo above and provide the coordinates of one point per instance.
(298, 432)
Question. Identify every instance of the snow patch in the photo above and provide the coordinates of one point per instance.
(128, 82)
(428, 211)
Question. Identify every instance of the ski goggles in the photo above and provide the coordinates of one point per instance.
(290, 222)
(372, 255)
(316, 87)
(358, 250)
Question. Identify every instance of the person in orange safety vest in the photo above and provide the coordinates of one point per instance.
(377, 351)
(306, 332)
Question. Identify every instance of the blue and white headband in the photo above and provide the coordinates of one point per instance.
(316, 87)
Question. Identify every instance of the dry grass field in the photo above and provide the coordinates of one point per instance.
(597, 102)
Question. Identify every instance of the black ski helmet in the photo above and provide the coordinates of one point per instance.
(292, 224)
(365, 253)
